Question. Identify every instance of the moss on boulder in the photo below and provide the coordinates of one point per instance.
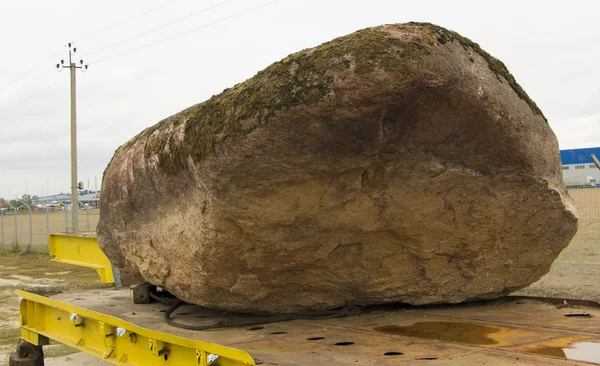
(397, 163)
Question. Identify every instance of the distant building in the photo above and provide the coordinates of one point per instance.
(578, 163)
(89, 197)
(52, 199)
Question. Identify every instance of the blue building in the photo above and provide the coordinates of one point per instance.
(578, 163)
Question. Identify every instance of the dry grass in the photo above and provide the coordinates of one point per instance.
(54, 222)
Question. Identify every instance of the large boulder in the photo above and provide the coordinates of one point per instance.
(400, 163)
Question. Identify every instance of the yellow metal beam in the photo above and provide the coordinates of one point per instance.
(82, 251)
(115, 340)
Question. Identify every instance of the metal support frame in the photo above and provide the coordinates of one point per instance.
(115, 340)
(16, 243)
(595, 160)
(82, 251)
(30, 226)
(87, 216)
(47, 225)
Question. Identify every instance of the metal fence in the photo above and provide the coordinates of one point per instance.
(576, 272)
(28, 229)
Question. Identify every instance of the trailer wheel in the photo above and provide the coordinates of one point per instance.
(27, 354)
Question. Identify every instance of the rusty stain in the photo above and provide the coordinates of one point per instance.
(445, 331)
(549, 351)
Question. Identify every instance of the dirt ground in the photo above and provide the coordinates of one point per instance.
(54, 222)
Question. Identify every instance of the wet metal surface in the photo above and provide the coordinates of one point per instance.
(580, 351)
(584, 351)
(445, 331)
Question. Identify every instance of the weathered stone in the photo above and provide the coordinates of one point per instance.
(396, 164)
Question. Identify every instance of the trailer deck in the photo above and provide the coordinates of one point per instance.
(106, 323)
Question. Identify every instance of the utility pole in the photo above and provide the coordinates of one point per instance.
(74, 192)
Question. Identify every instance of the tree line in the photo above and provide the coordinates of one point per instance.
(25, 199)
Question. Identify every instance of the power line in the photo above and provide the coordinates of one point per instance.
(30, 69)
(84, 37)
(125, 21)
(31, 97)
(126, 52)
(159, 27)
(186, 32)
(26, 84)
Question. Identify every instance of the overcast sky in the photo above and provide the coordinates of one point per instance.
(552, 48)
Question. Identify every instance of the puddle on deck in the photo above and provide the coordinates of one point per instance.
(549, 351)
(580, 351)
(445, 331)
(482, 335)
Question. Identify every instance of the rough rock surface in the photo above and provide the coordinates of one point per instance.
(399, 163)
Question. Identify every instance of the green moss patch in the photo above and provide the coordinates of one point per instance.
(303, 78)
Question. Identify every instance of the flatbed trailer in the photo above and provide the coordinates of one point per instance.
(515, 330)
